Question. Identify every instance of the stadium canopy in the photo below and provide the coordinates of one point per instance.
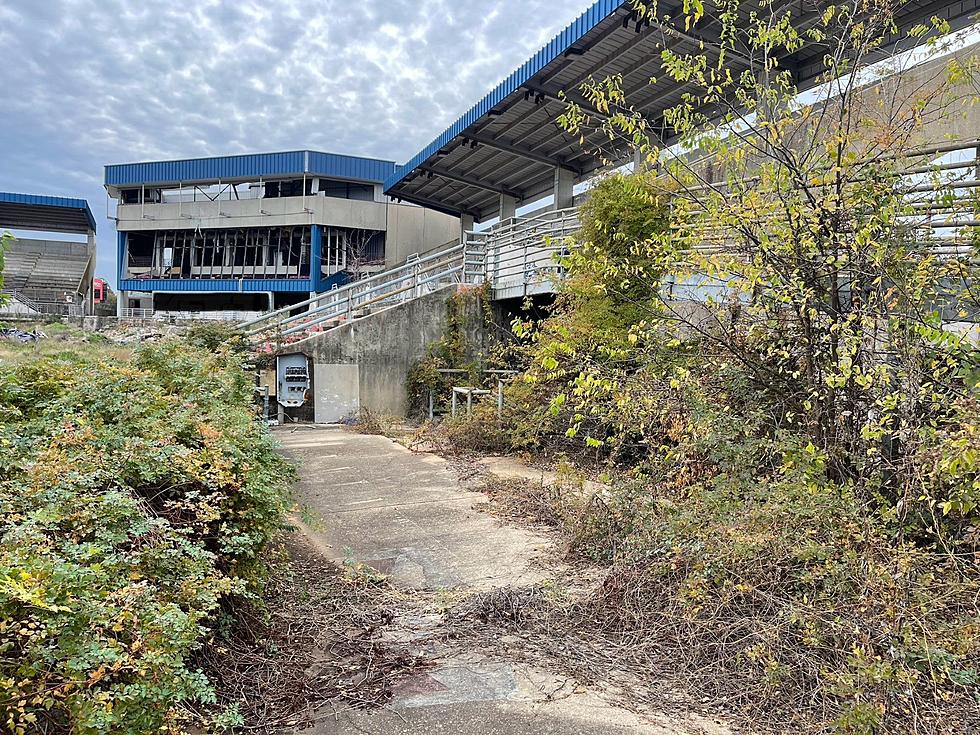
(45, 213)
(508, 148)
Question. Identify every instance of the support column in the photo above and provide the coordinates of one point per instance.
(122, 298)
(466, 224)
(564, 183)
(639, 161)
(508, 207)
(316, 257)
(89, 306)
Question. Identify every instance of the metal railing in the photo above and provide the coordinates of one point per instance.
(520, 253)
(183, 316)
(136, 313)
(44, 307)
(418, 276)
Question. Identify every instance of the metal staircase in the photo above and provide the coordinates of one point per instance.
(460, 263)
(516, 256)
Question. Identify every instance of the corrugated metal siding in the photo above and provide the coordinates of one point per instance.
(353, 168)
(257, 165)
(38, 200)
(217, 285)
(558, 45)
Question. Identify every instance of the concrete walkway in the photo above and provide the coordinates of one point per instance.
(366, 499)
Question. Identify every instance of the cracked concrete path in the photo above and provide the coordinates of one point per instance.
(371, 500)
(367, 499)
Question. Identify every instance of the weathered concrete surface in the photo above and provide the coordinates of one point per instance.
(383, 346)
(367, 499)
(404, 514)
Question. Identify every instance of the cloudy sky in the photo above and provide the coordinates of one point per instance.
(84, 83)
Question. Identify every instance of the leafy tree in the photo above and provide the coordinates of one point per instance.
(826, 282)
(769, 356)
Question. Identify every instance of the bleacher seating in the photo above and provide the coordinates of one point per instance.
(45, 270)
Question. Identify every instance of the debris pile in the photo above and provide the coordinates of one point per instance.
(18, 335)
(124, 333)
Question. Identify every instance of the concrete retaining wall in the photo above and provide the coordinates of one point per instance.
(365, 364)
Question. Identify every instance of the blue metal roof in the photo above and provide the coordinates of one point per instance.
(509, 144)
(249, 166)
(45, 213)
(556, 48)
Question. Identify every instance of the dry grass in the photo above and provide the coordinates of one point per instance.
(742, 651)
(312, 650)
(59, 338)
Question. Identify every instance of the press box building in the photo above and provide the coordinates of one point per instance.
(250, 233)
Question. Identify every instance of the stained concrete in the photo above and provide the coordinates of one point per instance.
(369, 500)
(404, 514)
(384, 346)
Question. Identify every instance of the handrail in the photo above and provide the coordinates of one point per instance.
(458, 263)
(378, 299)
(520, 252)
(346, 295)
(376, 277)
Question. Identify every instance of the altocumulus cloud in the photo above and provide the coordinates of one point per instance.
(90, 82)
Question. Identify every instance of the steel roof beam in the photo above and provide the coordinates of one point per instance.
(522, 152)
(613, 28)
(436, 205)
(469, 181)
(469, 151)
(577, 99)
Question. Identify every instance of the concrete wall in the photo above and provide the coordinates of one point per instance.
(249, 213)
(408, 226)
(410, 229)
(381, 347)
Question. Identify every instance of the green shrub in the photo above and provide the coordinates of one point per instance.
(467, 315)
(135, 497)
(814, 562)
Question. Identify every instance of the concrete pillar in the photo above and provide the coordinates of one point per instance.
(508, 207)
(466, 224)
(564, 183)
(122, 297)
(88, 306)
(639, 161)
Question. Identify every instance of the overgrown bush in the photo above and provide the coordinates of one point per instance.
(135, 498)
(756, 338)
(214, 336)
(467, 315)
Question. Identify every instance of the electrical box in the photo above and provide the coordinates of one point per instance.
(292, 380)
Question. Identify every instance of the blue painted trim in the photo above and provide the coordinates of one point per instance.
(316, 254)
(38, 200)
(218, 285)
(250, 166)
(558, 46)
(120, 258)
(337, 279)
